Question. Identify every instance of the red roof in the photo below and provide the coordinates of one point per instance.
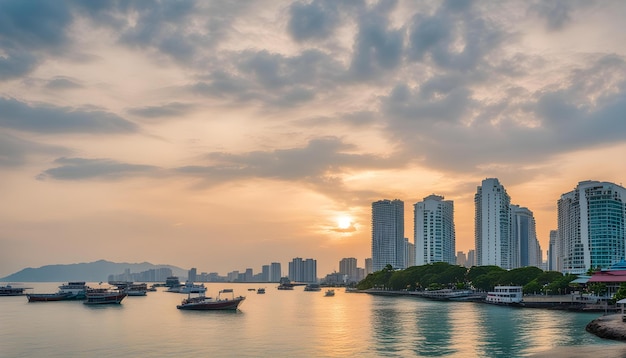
(608, 276)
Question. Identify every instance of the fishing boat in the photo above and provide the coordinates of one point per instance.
(329, 293)
(260, 291)
(9, 290)
(313, 287)
(225, 300)
(49, 297)
(104, 296)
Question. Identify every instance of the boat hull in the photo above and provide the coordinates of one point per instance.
(105, 299)
(50, 297)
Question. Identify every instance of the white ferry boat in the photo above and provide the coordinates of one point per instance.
(505, 295)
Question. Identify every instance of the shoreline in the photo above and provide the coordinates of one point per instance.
(608, 327)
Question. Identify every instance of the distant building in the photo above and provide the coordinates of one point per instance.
(525, 248)
(461, 259)
(192, 275)
(265, 273)
(347, 266)
(369, 266)
(248, 275)
(303, 270)
(591, 228)
(471, 258)
(409, 253)
(275, 272)
(434, 230)
(552, 256)
(388, 234)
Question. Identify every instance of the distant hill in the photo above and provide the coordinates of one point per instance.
(90, 272)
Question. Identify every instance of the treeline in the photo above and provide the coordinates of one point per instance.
(440, 275)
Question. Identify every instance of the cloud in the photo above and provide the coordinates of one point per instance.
(174, 109)
(556, 13)
(14, 151)
(103, 169)
(51, 119)
(62, 83)
(315, 20)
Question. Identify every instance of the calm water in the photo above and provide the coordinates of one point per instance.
(289, 324)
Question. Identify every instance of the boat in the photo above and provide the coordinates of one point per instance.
(104, 296)
(137, 289)
(285, 284)
(225, 300)
(188, 287)
(329, 293)
(172, 281)
(313, 287)
(49, 297)
(252, 289)
(260, 291)
(507, 295)
(9, 290)
(77, 289)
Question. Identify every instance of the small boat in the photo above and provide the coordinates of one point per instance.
(77, 289)
(9, 290)
(104, 296)
(49, 297)
(137, 289)
(329, 293)
(225, 300)
(260, 291)
(252, 289)
(313, 287)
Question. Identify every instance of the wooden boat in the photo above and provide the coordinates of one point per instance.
(225, 300)
(49, 297)
(104, 296)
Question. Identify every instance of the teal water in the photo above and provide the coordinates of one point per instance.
(290, 324)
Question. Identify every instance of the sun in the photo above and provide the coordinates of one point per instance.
(344, 221)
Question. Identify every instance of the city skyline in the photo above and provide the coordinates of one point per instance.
(260, 131)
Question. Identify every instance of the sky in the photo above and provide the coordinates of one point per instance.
(224, 135)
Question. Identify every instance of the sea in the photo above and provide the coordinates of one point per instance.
(284, 323)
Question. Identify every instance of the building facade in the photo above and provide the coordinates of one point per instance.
(590, 230)
(388, 234)
(525, 249)
(434, 231)
(347, 266)
(492, 225)
(303, 270)
(275, 272)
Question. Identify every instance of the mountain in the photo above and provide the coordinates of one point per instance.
(89, 272)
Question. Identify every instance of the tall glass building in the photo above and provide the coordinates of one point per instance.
(388, 234)
(434, 231)
(492, 226)
(525, 249)
(591, 227)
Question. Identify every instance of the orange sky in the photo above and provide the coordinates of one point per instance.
(224, 136)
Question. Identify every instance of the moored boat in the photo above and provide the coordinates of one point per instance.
(225, 300)
(49, 297)
(507, 295)
(313, 287)
(76, 289)
(329, 293)
(9, 290)
(260, 291)
(104, 296)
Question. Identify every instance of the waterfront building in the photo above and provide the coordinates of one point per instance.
(347, 266)
(492, 224)
(303, 270)
(525, 248)
(590, 230)
(265, 273)
(471, 258)
(388, 234)
(434, 231)
(275, 272)
(248, 275)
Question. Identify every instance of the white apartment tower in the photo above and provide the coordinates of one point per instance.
(434, 231)
(492, 225)
(591, 225)
(388, 234)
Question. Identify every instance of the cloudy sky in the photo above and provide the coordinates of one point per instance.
(230, 134)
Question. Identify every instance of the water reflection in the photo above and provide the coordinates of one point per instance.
(433, 331)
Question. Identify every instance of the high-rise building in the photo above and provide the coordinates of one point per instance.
(369, 266)
(192, 274)
(347, 266)
(265, 273)
(434, 231)
(552, 257)
(275, 272)
(471, 258)
(303, 270)
(525, 249)
(461, 259)
(409, 253)
(388, 234)
(492, 225)
(591, 227)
